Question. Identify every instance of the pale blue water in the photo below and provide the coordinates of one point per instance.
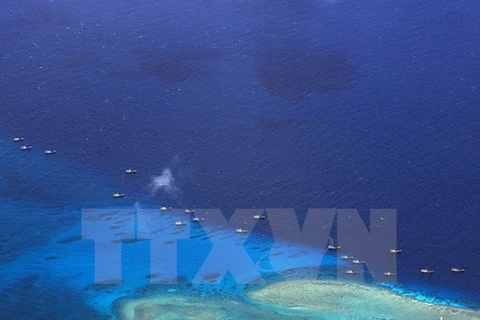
(274, 104)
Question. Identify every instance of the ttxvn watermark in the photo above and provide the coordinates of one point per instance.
(287, 246)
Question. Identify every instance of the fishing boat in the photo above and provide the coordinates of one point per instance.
(457, 270)
(165, 208)
(189, 211)
(395, 251)
(358, 262)
(130, 171)
(352, 272)
(258, 217)
(239, 230)
(18, 139)
(118, 195)
(180, 223)
(347, 257)
(427, 271)
(24, 148)
(198, 219)
(330, 247)
(389, 274)
(50, 151)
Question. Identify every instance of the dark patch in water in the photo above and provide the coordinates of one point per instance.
(50, 258)
(103, 287)
(132, 240)
(69, 239)
(174, 65)
(293, 72)
(213, 276)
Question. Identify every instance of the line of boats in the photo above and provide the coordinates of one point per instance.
(27, 147)
(394, 251)
(330, 247)
(119, 195)
(198, 219)
(257, 217)
(187, 211)
(453, 270)
(391, 274)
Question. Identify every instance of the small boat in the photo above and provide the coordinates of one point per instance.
(165, 208)
(457, 270)
(347, 257)
(50, 151)
(389, 274)
(189, 211)
(130, 171)
(180, 223)
(25, 148)
(427, 271)
(258, 217)
(330, 247)
(198, 219)
(352, 272)
(18, 139)
(118, 195)
(358, 262)
(395, 251)
(239, 230)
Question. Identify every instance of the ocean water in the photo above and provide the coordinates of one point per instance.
(273, 104)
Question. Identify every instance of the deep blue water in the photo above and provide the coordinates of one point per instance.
(290, 104)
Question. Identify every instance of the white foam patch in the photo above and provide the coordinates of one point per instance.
(165, 182)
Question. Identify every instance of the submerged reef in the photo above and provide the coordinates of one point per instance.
(174, 306)
(292, 299)
(328, 299)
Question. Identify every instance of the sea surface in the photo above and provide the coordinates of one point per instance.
(235, 104)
